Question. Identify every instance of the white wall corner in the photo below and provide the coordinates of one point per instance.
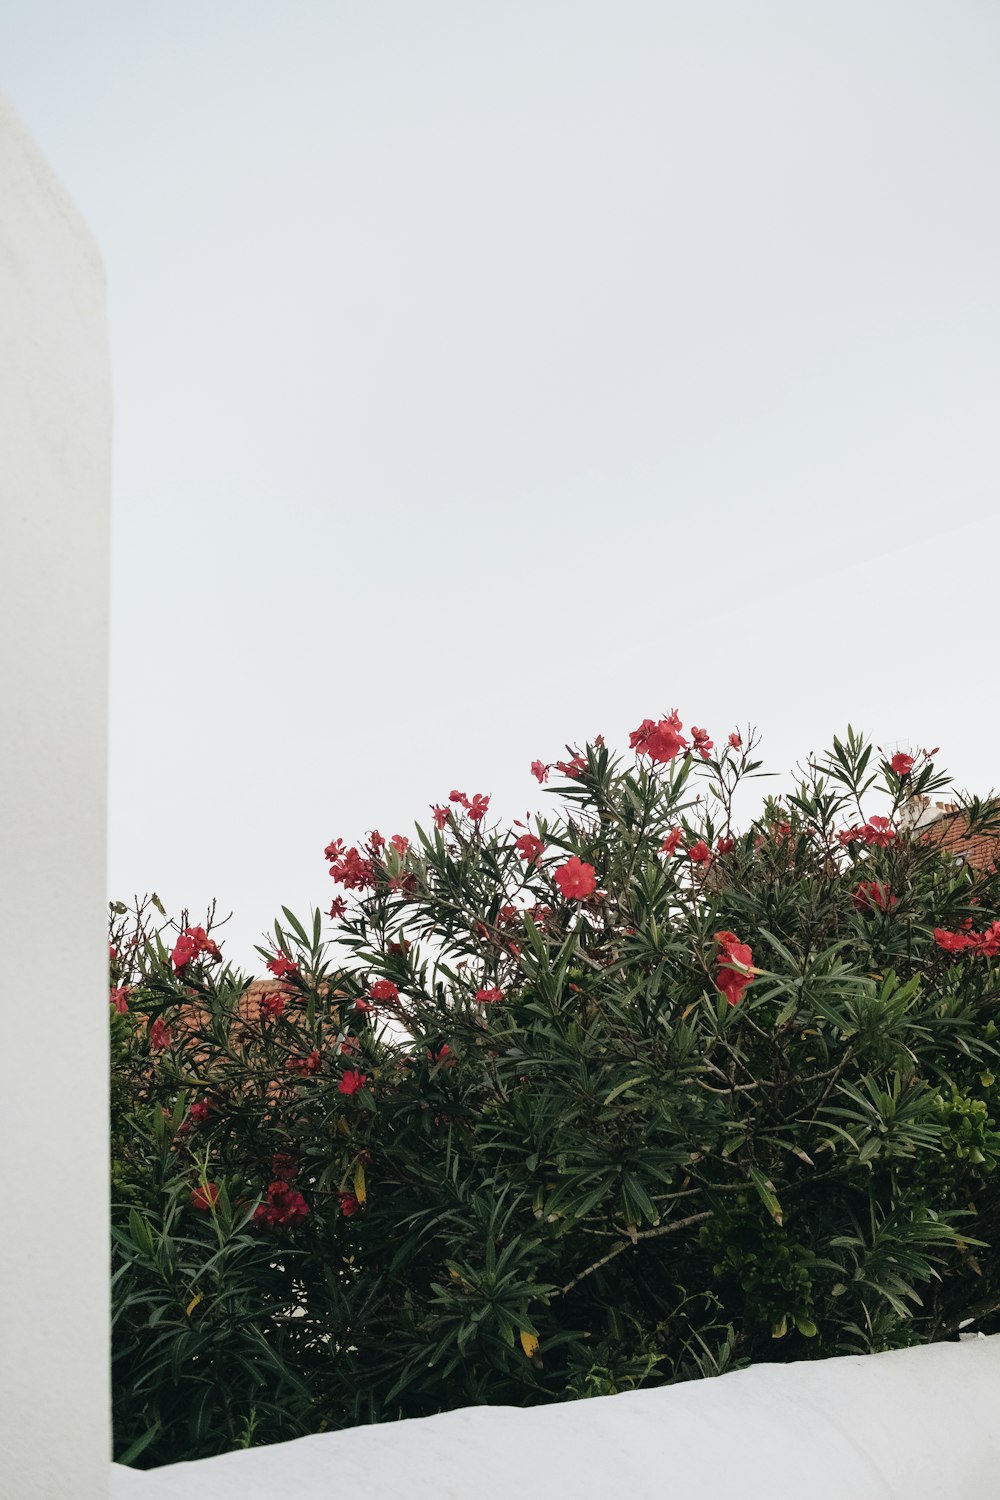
(55, 466)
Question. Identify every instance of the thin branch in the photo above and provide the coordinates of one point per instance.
(626, 1244)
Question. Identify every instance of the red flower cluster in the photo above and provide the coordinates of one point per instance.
(159, 1035)
(282, 965)
(351, 1082)
(204, 1198)
(735, 961)
(283, 1207)
(306, 1065)
(662, 740)
(702, 743)
(877, 831)
(338, 906)
(672, 841)
(199, 1112)
(349, 1204)
(571, 768)
(476, 808)
(699, 853)
(384, 992)
(725, 845)
(576, 879)
(489, 996)
(119, 999)
(441, 815)
(192, 942)
(871, 895)
(986, 944)
(902, 764)
(735, 741)
(349, 868)
(272, 1005)
(540, 771)
(529, 848)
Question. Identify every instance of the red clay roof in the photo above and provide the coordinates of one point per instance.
(951, 834)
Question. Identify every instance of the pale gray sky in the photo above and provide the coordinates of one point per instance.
(489, 376)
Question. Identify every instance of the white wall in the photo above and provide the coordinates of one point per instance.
(55, 435)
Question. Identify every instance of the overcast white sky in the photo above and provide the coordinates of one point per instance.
(489, 376)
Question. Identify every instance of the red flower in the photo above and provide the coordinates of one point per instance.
(205, 1197)
(192, 942)
(399, 843)
(529, 848)
(664, 743)
(489, 996)
(271, 1005)
(735, 741)
(572, 768)
(540, 771)
(458, 797)
(282, 965)
(988, 942)
(384, 991)
(306, 1065)
(478, 807)
(878, 831)
(334, 849)
(575, 879)
(902, 764)
(699, 853)
(671, 842)
(702, 743)
(338, 907)
(199, 1111)
(440, 1056)
(401, 948)
(638, 738)
(851, 835)
(352, 870)
(284, 1166)
(349, 1204)
(725, 845)
(159, 1035)
(119, 999)
(351, 1082)
(953, 942)
(734, 959)
(441, 815)
(282, 1209)
(375, 840)
(349, 1044)
(363, 1006)
(870, 895)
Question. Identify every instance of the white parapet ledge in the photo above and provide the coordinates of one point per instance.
(914, 1424)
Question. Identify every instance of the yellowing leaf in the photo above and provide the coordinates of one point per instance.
(359, 1183)
(192, 1305)
(529, 1343)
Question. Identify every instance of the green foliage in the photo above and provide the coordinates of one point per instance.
(617, 1173)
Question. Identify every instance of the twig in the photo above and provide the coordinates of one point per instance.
(626, 1244)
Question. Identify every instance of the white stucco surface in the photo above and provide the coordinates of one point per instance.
(55, 439)
(918, 1424)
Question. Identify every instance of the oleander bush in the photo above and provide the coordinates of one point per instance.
(623, 1097)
